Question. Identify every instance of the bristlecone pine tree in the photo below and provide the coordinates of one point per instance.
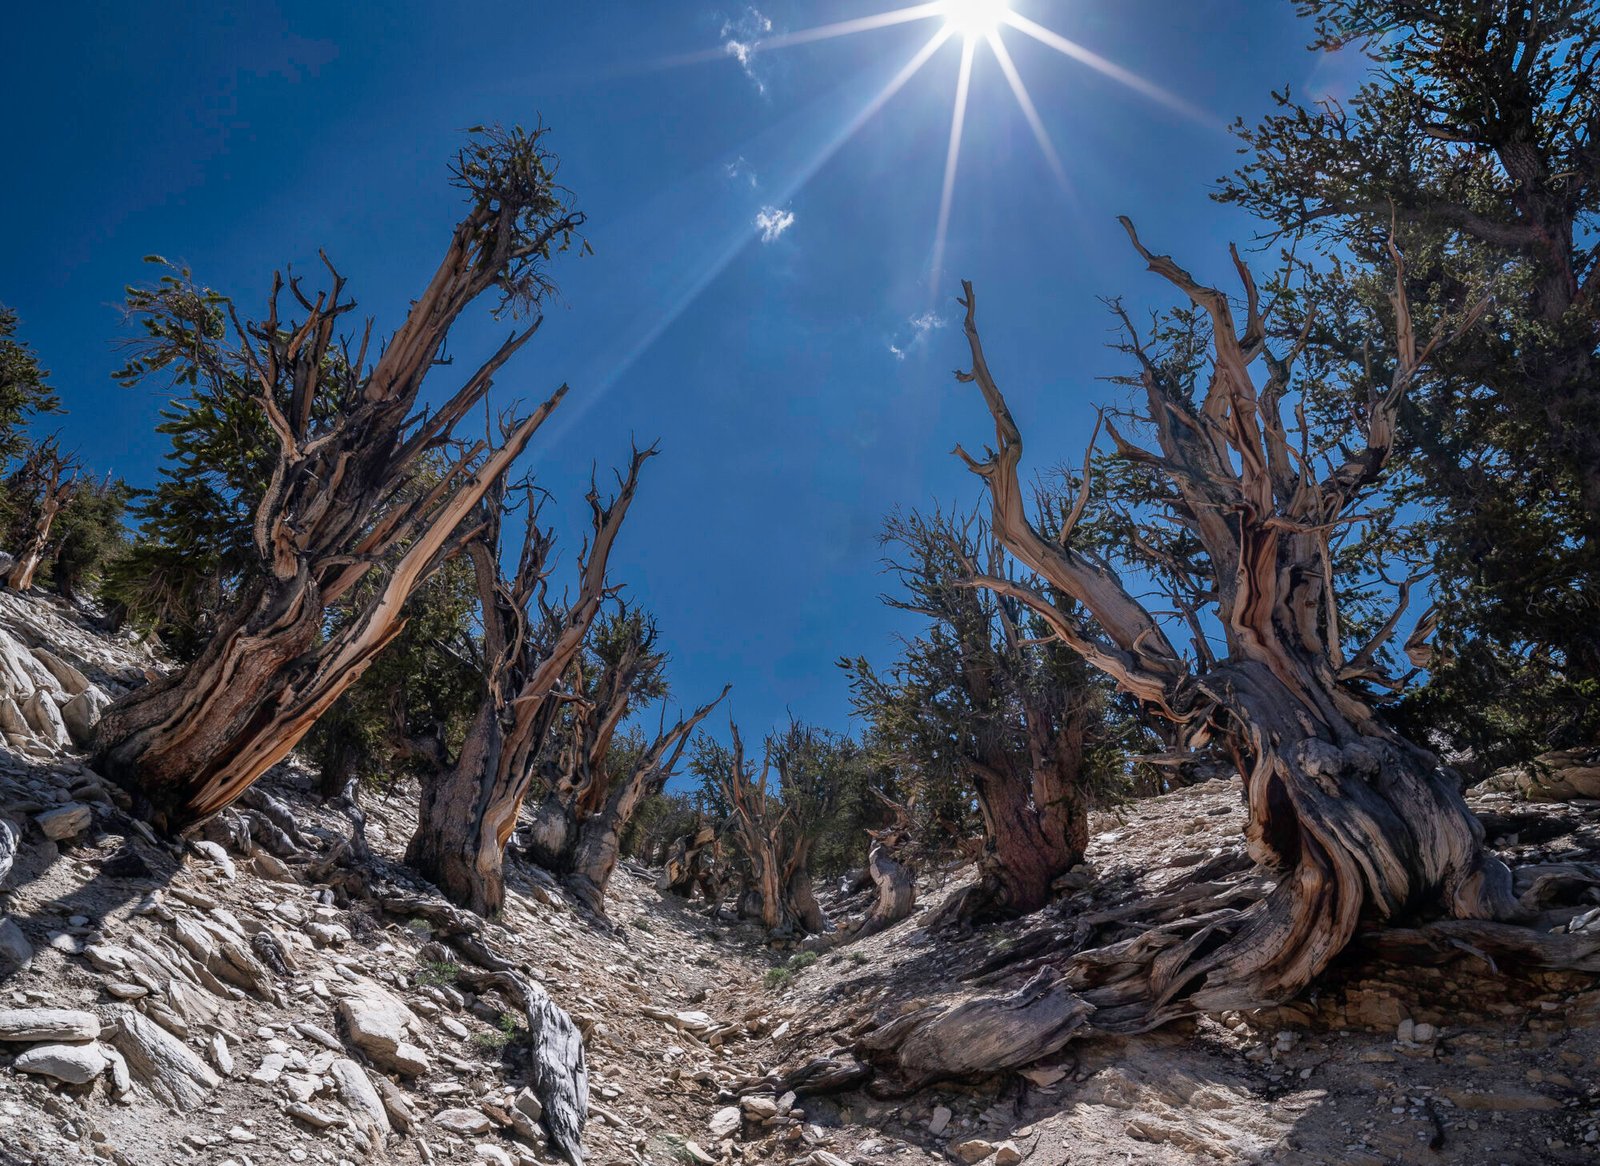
(46, 481)
(596, 787)
(1358, 821)
(985, 703)
(347, 440)
(470, 803)
(1474, 140)
(774, 831)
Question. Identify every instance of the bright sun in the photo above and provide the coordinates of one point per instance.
(975, 19)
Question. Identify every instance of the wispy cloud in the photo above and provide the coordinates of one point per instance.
(772, 222)
(921, 324)
(739, 171)
(739, 37)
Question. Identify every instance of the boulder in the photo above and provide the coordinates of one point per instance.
(15, 950)
(82, 713)
(383, 1027)
(160, 1060)
(48, 1024)
(725, 1122)
(64, 822)
(44, 717)
(71, 680)
(355, 1091)
(74, 1064)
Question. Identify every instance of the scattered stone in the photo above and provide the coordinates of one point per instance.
(725, 1122)
(972, 1150)
(527, 1103)
(74, 1064)
(467, 1122)
(272, 1067)
(381, 1026)
(65, 822)
(48, 1024)
(215, 853)
(941, 1119)
(15, 950)
(313, 1116)
(1007, 1154)
(759, 1108)
(359, 1097)
(492, 1153)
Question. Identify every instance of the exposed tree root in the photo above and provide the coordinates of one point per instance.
(557, 1064)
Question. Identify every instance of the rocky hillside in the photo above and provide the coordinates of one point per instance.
(269, 993)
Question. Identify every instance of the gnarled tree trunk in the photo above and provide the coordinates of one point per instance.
(344, 494)
(469, 809)
(692, 863)
(594, 854)
(1356, 820)
(777, 887)
(48, 477)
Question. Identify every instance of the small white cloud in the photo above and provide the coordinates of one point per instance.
(773, 222)
(921, 325)
(740, 39)
(739, 171)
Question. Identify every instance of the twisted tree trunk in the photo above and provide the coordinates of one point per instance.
(49, 477)
(346, 494)
(692, 862)
(1355, 820)
(469, 809)
(594, 853)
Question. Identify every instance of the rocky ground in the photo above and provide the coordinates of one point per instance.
(252, 997)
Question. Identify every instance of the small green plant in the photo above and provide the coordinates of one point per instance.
(778, 978)
(801, 960)
(672, 1147)
(419, 927)
(858, 958)
(1004, 944)
(499, 1037)
(641, 923)
(437, 974)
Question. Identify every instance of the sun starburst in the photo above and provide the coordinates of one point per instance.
(974, 23)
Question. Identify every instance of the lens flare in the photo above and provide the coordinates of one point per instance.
(975, 19)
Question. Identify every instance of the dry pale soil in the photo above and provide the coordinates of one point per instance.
(220, 1002)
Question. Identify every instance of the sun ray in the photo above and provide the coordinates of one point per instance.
(1035, 122)
(1116, 72)
(820, 32)
(690, 289)
(958, 120)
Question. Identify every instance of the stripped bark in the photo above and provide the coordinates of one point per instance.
(469, 808)
(48, 479)
(557, 1065)
(594, 856)
(344, 499)
(1356, 821)
(778, 887)
(592, 789)
(693, 863)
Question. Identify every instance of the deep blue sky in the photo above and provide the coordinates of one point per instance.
(241, 137)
